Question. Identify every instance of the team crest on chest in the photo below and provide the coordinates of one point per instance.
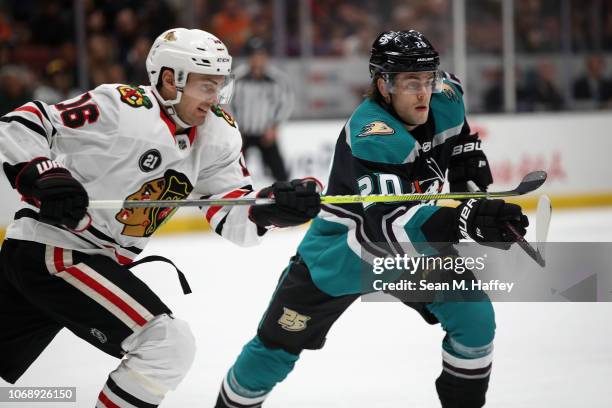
(292, 320)
(142, 222)
(134, 96)
(376, 128)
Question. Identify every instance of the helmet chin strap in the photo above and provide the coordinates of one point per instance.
(169, 106)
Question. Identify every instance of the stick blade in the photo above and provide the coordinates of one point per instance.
(531, 181)
(543, 214)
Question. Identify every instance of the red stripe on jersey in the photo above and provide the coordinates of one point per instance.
(417, 187)
(107, 403)
(58, 259)
(169, 122)
(123, 260)
(232, 194)
(31, 110)
(192, 134)
(110, 296)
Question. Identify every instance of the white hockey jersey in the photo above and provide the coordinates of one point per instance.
(119, 144)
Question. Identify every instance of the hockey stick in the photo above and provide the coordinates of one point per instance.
(522, 242)
(543, 214)
(529, 183)
(542, 223)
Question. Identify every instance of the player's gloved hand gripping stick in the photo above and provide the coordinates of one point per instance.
(295, 202)
(515, 227)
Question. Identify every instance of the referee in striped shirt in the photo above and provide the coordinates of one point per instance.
(262, 100)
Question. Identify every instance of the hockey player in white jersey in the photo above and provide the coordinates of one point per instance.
(64, 265)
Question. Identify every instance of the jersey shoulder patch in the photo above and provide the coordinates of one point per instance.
(447, 106)
(220, 112)
(450, 93)
(376, 127)
(375, 135)
(134, 96)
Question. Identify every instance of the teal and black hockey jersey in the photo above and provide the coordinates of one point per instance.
(376, 154)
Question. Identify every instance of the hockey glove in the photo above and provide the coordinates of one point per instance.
(296, 202)
(484, 221)
(48, 185)
(468, 163)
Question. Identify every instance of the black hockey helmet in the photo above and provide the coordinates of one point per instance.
(402, 51)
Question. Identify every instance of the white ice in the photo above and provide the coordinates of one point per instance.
(377, 355)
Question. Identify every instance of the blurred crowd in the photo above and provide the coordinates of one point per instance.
(340, 28)
(39, 58)
(39, 55)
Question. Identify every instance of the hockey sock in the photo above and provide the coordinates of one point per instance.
(455, 392)
(256, 371)
(124, 393)
(232, 395)
(464, 381)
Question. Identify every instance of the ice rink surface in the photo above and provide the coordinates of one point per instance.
(377, 355)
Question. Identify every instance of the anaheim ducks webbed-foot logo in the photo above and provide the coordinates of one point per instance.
(134, 96)
(142, 222)
(376, 128)
(449, 92)
(292, 320)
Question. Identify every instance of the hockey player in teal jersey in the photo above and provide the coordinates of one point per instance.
(403, 138)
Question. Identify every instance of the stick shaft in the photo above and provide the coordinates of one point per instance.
(179, 203)
(340, 199)
(529, 183)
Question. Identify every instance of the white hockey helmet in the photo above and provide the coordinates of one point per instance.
(188, 51)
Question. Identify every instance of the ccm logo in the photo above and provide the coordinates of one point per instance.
(465, 148)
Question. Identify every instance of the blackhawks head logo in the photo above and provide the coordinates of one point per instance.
(142, 222)
(376, 128)
(134, 96)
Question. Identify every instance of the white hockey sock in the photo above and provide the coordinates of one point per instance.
(123, 390)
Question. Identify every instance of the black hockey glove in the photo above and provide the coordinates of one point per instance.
(468, 163)
(484, 221)
(48, 185)
(297, 201)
